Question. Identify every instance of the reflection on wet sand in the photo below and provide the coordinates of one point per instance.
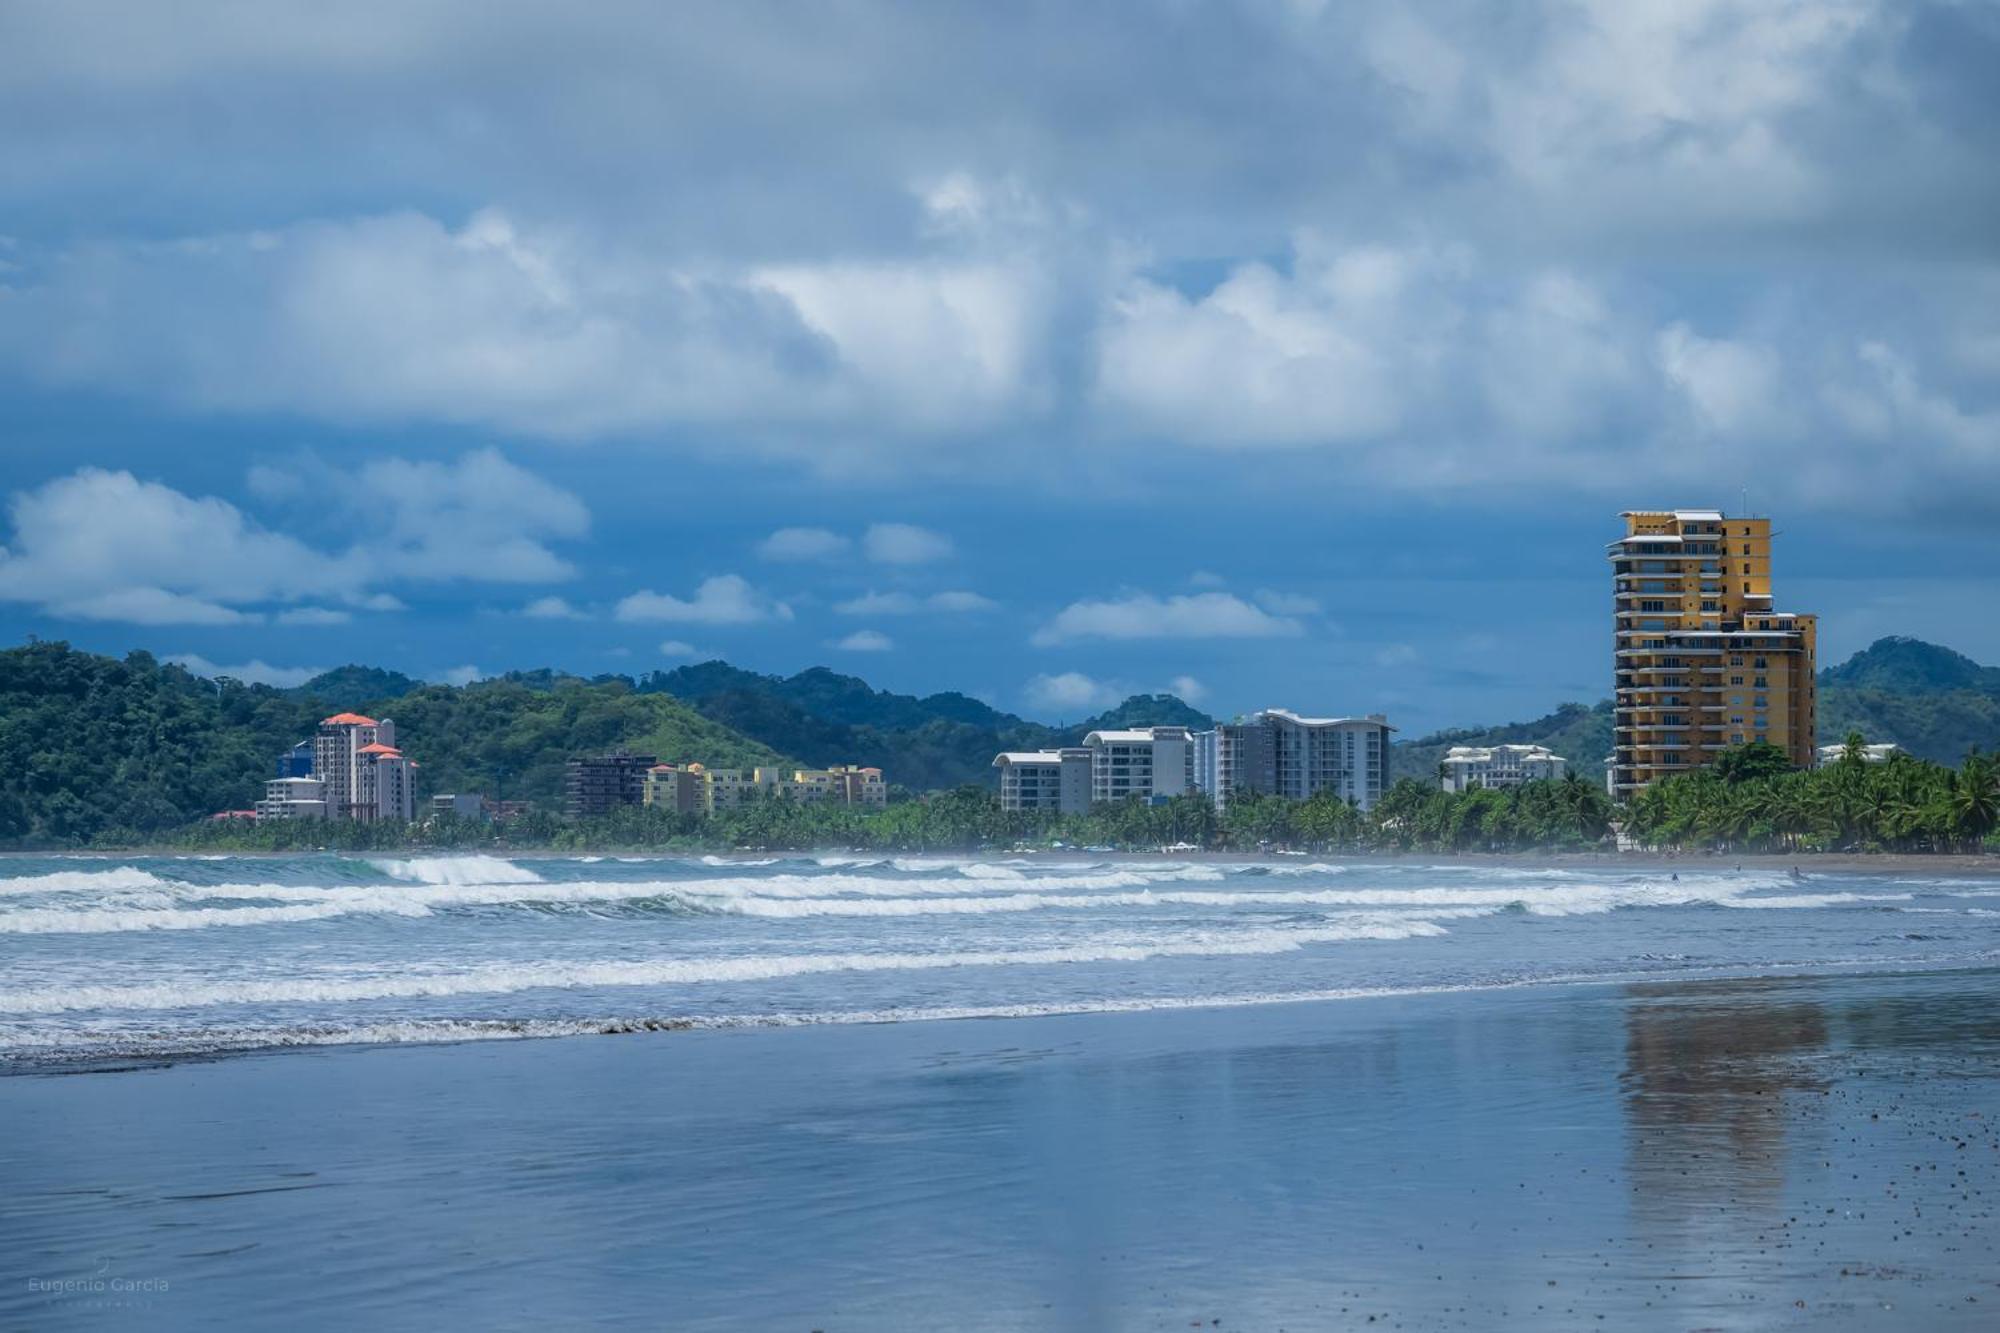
(1708, 1070)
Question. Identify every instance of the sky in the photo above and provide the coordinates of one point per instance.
(1275, 353)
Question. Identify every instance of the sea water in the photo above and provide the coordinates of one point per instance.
(107, 959)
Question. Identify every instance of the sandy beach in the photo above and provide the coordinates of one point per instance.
(1793, 1153)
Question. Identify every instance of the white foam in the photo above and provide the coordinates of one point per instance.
(508, 978)
(82, 881)
(459, 870)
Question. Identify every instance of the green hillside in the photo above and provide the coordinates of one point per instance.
(922, 743)
(122, 749)
(1580, 733)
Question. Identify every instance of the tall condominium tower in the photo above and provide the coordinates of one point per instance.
(1703, 661)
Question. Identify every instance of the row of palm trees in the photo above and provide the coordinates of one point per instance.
(1901, 804)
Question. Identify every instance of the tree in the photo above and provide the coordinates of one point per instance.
(1747, 763)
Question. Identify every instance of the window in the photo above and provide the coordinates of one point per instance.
(1763, 683)
(1736, 680)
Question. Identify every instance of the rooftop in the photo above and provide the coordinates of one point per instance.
(348, 720)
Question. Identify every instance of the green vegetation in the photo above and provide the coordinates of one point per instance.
(95, 750)
(931, 743)
(1747, 803)
(1414, 816)
(1579, 733)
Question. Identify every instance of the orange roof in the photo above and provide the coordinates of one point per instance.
(379, 748)
(347, 720)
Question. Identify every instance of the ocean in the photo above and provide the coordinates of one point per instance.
(170, 956)
(1287, 1094)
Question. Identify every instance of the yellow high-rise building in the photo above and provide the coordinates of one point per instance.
(1703, 662)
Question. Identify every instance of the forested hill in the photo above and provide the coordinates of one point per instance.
(920, 742)
(122, 749)
(1934, 702)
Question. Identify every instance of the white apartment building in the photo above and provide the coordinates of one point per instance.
(1469, 767)
(1276, 752)
(364, 774)
(1880, 753)
(293, 798)
(1144, 763)
(1045, 779)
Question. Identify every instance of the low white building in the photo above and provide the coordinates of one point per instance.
(293, 798)
(1470, 767)
(1880, 753)
(1142, 763)
(1045, 779)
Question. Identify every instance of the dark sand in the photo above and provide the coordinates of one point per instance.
(1796, 1153)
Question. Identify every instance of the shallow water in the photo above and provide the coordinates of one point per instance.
(105, 960)
(1806, 1152)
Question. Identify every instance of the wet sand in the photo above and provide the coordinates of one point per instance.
(1766, 1154)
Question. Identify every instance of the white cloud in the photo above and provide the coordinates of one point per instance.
(105, 545)
(1187, 688)
(551, 608)
(1206, 615)
(904, 544)
(1069, 694)
(727, 599)
(865, 641)
(254, 672)
(459, 675)
(1285, 603)
(1732, 387)
(677, 648)
(313, 615)
(802, 544)
(479, 518)
(906, 604)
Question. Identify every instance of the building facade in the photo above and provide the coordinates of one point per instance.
(293, 798)
(1045, 779)
(1141, 763)
(1879, 753)
(365, 775)
(1473, 767)
(1702, 660)
(1277, 752)
(598, 784)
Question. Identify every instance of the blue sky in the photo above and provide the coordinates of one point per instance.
(1279, 353)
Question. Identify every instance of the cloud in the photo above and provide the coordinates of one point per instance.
(957, 601)
(479, 518)
(254, 672)
(802, 544)
(676, 648)
(313, 615)
(552, 608)
(727, 599)
(865, 641)
(1203, 578)
(105, 545)
(1206, 615)
(102, 545)
(1069, 693)
(1285, 603)
(904, 544)
(459, 675)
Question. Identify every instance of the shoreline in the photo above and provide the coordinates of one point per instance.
(1985, 863)
(1676, 1155)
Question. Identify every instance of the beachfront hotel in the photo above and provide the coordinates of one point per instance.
(1492, 767)
(1702, 661)
(1056, 780)
(1276, 752)
(700, 790)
